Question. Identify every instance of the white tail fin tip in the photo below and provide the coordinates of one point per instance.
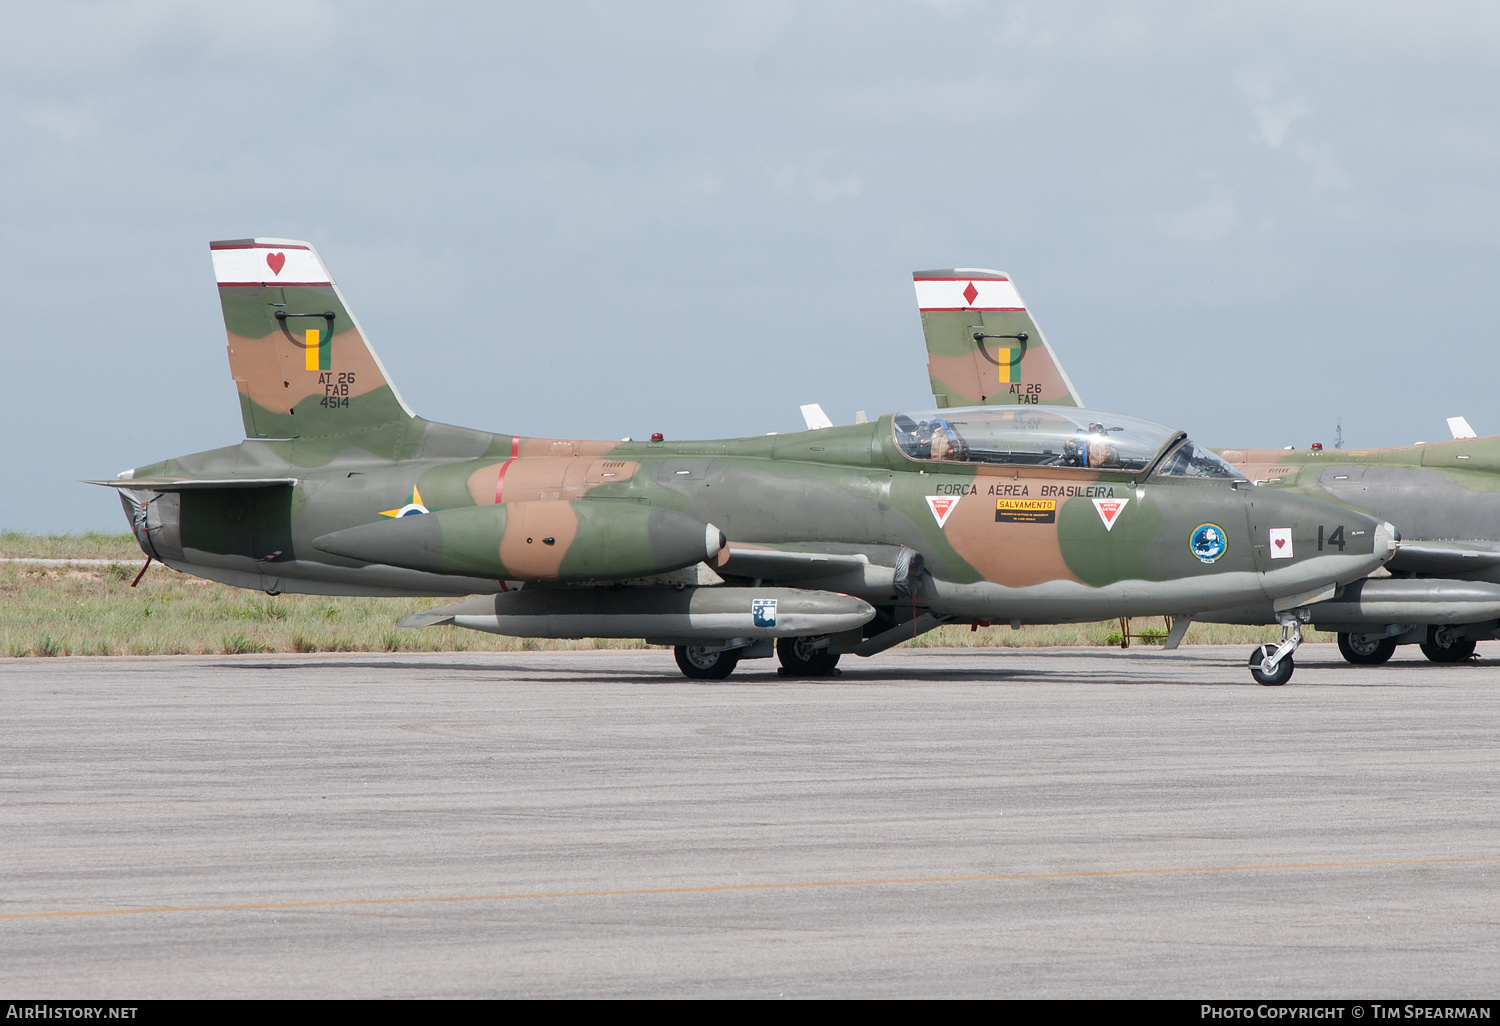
(813, 414)
(268, 262)
(1460, 428)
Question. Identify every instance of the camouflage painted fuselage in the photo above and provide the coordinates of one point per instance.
(340, 489)
(847, 490)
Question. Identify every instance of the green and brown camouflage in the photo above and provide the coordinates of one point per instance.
(983, 346)
(842, 539)
(1444, 498)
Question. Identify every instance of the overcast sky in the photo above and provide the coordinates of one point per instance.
(1246, 220)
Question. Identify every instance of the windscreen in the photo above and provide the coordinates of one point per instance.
(1192, 460)
(1035, 436)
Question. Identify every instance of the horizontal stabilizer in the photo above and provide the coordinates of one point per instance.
(184, 484)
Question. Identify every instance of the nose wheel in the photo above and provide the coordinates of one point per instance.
(1271, 664)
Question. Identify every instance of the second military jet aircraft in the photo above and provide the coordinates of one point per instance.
(1443, 592)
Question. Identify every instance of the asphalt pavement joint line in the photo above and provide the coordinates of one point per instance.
(727, 888)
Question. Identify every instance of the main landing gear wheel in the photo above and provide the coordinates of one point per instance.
(1363, 650)
(800, 659)
(1447, 645)
(1276, 677)
(700, 663)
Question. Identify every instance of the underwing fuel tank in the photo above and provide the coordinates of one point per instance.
(1376, 603)
(664, 615)
(569, 541)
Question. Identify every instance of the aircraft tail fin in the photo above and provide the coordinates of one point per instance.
(983, 348)
(301, 362)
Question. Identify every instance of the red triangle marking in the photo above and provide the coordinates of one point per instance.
(1109, 510)
(941, 508)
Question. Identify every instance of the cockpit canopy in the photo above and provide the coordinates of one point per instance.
(1192, 460)
(1035, 436)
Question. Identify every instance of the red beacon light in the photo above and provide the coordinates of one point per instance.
(1317, 446)
(657, 436)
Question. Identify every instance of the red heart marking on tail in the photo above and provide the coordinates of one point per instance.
(275, 261)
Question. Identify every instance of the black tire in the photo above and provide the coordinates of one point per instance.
(1357, 649)
(1271, 680)
(799, 659)
(697, 664)
(1455, 651)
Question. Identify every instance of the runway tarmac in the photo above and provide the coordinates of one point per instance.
(1024, 823)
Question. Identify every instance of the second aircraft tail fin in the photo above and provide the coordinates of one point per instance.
(983, 348)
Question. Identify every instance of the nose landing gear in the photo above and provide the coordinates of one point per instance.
(1271, 664)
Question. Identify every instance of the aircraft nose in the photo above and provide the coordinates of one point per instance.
(1386, 540)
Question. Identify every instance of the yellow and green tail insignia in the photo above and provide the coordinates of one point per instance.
(319, 350)
(1010, 366)
(413, 505)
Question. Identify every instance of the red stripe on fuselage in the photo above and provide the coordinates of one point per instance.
(515, 451)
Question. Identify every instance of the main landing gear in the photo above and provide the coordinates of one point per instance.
(703, 662)
(1447, 644)
(1271, 664)
(1363, 650)
(800, 657)
(806, 657)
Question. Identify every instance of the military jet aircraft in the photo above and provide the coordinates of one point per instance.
(819, 543)
(1444, 590)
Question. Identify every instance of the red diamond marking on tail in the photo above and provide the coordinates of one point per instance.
(276, 261)
(970, 293)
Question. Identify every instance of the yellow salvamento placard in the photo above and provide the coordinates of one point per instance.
(1025, 511)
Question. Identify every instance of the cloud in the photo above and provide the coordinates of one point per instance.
(1275, 119)
(811, 179)
(1273, 113)
(62, 122)
(71, 37)
(1209, 221)
(1327, 173)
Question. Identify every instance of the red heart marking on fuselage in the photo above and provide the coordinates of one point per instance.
(1280, 542)
(275, 261)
